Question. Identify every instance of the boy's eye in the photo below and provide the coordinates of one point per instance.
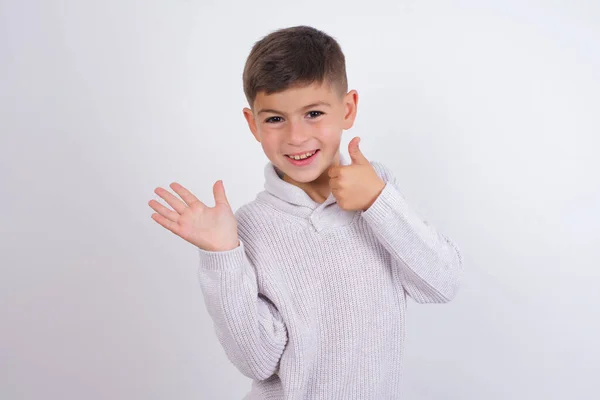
(272, 120)
(315, 114)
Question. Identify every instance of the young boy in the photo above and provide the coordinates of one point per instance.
(307, 284)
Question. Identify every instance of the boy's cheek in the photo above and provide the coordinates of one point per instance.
(328, 130)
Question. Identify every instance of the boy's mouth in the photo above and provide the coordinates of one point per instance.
(302, 156)
(303, 159)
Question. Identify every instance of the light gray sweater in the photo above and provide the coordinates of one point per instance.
(311, 304)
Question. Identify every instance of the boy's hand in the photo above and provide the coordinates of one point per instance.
(209, 228)
(355, 186)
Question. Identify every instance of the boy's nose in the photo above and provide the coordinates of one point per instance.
(297, 134)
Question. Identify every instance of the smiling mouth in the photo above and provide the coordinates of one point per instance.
(302, 156)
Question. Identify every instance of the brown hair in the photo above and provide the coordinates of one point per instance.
(294, 56)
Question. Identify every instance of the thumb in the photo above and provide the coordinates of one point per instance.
(219, 193)
(356, 155)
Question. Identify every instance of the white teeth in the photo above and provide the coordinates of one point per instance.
(302, 156)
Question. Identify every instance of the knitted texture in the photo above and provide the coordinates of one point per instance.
(311, 304)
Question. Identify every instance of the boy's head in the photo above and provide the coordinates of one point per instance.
(296, 86)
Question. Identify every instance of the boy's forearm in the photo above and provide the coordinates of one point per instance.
(430, 263)
(248, 325)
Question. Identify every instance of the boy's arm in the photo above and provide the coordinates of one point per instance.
(248, 325)
(429, 262)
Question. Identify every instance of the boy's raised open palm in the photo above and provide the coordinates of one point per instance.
(209, 228)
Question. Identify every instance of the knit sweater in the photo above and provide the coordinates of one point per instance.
(312, 302)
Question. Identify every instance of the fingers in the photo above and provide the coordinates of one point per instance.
(219, 193)
(170, 225)
(185, 194)
(173, 201)
(164, 211)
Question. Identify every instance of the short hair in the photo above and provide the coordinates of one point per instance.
(291, 57)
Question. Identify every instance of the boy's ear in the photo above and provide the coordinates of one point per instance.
(350, 108)
(249, 115)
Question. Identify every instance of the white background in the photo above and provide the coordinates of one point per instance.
(487, 111)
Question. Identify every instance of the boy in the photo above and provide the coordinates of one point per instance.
(307, 284)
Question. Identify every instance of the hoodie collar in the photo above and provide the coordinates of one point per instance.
(293, 200)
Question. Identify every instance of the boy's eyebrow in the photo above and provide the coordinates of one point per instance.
(270, 110)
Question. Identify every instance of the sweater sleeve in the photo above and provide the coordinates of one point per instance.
(248, 325)
(430, 263)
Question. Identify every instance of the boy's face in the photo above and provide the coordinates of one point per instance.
(302, 120)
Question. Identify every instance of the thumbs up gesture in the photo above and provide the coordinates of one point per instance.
(209, 228)
(355, 186)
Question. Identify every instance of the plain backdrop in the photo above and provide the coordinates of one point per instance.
(487, 111)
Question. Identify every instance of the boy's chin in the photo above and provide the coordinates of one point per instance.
(303, 175)
(299, 176)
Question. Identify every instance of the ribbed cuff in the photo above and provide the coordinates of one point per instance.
(389, 201)
(219, 260)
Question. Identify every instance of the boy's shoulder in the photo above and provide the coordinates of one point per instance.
(257, 212)
(383, 171)
(250, 210)
(258, 222)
